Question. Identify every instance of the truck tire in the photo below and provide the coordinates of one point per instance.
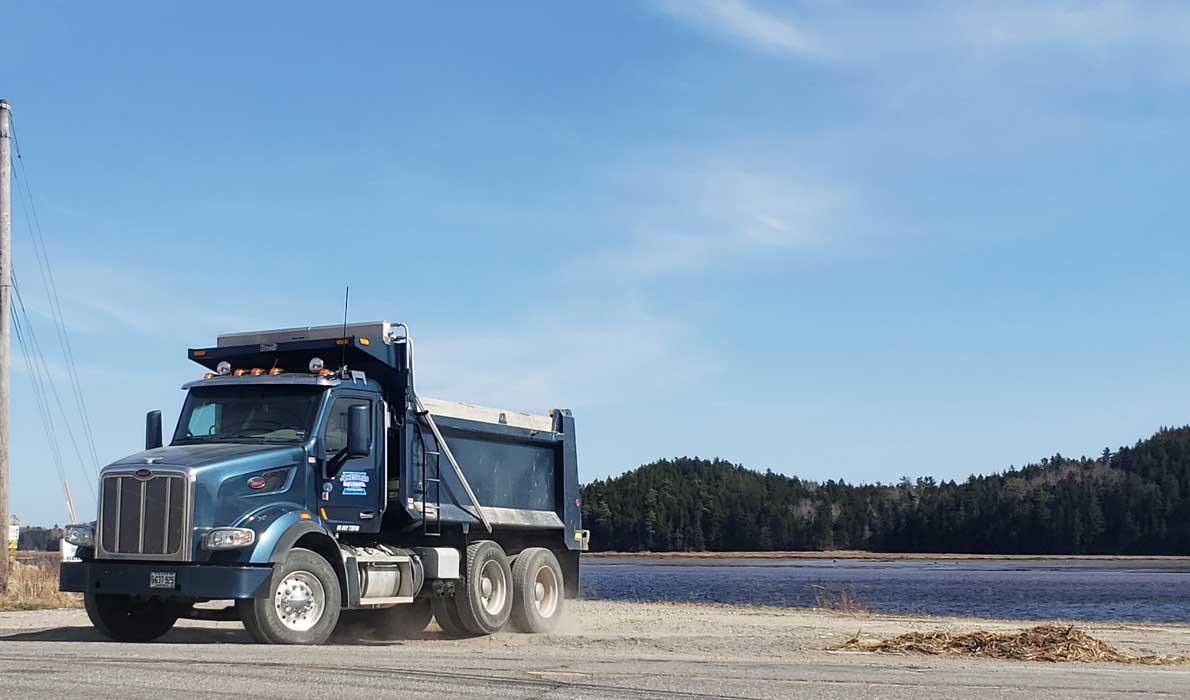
(484, 601)
(538, 591)
(446, 614)
(397, 622)
(303, 602)
(125, 618)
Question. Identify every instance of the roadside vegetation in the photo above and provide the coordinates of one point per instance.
(33, 585)
(1052, 643)
(845, 600)
(1130, 501)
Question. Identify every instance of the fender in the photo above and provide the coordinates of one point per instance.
(278, 527)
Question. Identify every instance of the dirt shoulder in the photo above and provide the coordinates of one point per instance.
(727, 632)
(607, 651)
(628, 630)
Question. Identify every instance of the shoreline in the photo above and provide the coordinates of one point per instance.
(858, 555)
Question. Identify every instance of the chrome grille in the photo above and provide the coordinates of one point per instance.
(144, 516)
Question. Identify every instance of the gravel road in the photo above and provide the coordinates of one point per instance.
(606, 650)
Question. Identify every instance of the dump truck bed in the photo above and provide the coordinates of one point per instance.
(521, 467)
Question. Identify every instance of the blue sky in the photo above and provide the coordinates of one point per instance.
(836, 240)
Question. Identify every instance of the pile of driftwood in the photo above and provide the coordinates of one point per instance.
(1053, 643)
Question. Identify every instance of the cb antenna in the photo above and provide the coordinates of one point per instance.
(343, 356)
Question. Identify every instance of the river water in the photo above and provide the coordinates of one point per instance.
(1047, 589)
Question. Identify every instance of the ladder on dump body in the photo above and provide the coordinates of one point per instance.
(426, 482)
(440, 443)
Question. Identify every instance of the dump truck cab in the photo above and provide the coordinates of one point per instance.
(301, 492)
(279, 422)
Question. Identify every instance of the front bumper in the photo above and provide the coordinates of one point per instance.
(207, 581)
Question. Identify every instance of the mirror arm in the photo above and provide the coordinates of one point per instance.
(335, 463)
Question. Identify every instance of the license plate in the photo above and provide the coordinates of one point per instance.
(162, 579)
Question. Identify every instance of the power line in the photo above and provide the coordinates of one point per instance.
(21, 173)
(40, 397)
(47, 273)
(47, 380)
(43, 380)
(38, 394)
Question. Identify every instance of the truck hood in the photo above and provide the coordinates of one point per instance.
(223, 455)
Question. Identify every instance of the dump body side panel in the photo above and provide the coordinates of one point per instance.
(507, 467)
(524, 478)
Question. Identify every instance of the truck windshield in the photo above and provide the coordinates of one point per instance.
(273, 414)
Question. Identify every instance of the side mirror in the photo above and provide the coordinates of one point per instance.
(359, 433)
(153, 430)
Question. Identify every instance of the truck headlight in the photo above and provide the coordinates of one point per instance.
(228, 538)
(80, 535)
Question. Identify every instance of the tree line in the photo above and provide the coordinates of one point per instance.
(39, 538)
(1135, 500)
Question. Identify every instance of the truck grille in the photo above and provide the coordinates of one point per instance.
(144, 516)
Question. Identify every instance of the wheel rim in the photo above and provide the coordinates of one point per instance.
(493, 587)
(546, 592)
(300, 601)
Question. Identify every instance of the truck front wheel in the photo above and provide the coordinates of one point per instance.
(125, 618)
(302, 606)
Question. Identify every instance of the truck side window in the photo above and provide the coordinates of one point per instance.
(336, 422)
(203, 421)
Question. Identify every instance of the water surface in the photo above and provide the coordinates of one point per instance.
(1034, 589)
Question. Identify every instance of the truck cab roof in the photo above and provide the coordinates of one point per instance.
(269, 380)
(377, 349)
(371, 348)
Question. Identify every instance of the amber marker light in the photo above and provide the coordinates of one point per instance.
(239, 372)
(275, 371)
(257, 371)
(208, 375)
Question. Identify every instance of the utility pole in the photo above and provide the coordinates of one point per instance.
(5, 310)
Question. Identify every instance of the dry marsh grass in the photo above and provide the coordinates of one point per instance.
(33, 585)
(844, 601)
(1050, 643)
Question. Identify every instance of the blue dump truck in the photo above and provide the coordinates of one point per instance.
(308, 482)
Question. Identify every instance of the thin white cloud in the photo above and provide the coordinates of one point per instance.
(99, 297)
(716, 216)
(581, 359)
(936, 35)
(745, 24)
(1086, 25)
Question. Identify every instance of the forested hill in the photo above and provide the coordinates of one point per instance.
(1135, 501)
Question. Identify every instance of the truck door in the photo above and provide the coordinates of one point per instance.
(352, 498)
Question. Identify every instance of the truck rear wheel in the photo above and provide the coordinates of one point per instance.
(302, 606)
(446, 614)
(538, 591)
(484, 601)
(125, 618)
